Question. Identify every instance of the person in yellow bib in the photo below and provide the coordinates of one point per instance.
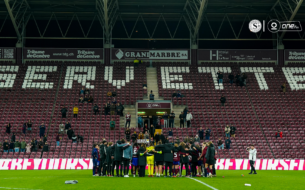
(150, 160)
(136, 62)
(75, 111)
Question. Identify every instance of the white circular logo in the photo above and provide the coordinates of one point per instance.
(255, 26)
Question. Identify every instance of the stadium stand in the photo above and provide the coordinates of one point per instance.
(37, 92)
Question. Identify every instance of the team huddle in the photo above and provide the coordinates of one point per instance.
(172, 158)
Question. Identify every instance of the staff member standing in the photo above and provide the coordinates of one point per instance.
(252, 158)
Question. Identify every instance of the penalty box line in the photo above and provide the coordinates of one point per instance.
(204, 183)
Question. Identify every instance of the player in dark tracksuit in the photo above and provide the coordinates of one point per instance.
(118, 155)
(195, 150)
(109, 161)
(102, 168)
(142, 160)
(176, 159)
(168, 150)
(183, 158)
(159, 159)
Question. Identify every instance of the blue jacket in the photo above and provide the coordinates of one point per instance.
(42, 129)
(127, 151)
(140, 121)
(94, 153)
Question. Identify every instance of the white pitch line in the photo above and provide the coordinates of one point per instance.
(18, 188)
(204, 183)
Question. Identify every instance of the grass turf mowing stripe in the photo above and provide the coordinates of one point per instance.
(18, 188)
(204, 184)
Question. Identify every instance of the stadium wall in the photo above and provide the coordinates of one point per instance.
(84, 164)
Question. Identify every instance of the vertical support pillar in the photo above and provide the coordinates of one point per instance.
(280, 49)
(107, 54)
(194, 49)
(19, 49)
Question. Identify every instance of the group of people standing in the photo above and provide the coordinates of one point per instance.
(172, 158)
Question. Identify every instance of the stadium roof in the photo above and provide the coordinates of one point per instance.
(192, 12)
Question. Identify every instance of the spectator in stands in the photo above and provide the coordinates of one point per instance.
(112, 124)
(90, 99)
(144, 85)
(24, 128)
(189, 117)
(29, 125)
(237, 77)
(81, 100)
(5, 146)
(112, 109)
(279, 133)
(61, 128)
(34, 146)
(228, 143)
(162, 138)
(74, 138)
(186, 139)
(17, 146)
(127, 134)
(155, 120)
(70, 133)
(22, 146)
(114, 101)
(58, 140)
(119, 109)
(227, 131)
(8, 128)
(172, 119)
(42, 129)
(11, 146)
(63, 112)
(136, 62)
(220, 77)
(141, 136)
(151, 96)
(87, 91)
(13, 138)
(75, 111)
(244, 78)
(207, 133)
(95, 109)
(86, 99)
(134, 137)
(197, 139)
(40, 144)
(181, 118)
(45, 148)
(220, 144)
(106, 109)
(170, 133)
(146, 135)
(82, 91)
(127, 118)
(80, 138)
(231, 78)
(67, 126)
(113, 93)
(223, 100)
(174, 94)
(45, 139)
(283, 87)
(145, 128)
(200, 132)
(152, 130)
(28, 148)
(140, 122)
(165, 119)
(179, 95)
(233, 131)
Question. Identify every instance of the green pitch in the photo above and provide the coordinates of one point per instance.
(43, 180)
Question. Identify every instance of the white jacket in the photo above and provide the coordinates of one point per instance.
(252, 154)
(189, 117)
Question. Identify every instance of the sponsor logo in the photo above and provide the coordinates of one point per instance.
(153, 105)
(255, 26)
(151, 54)
(275, 26)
